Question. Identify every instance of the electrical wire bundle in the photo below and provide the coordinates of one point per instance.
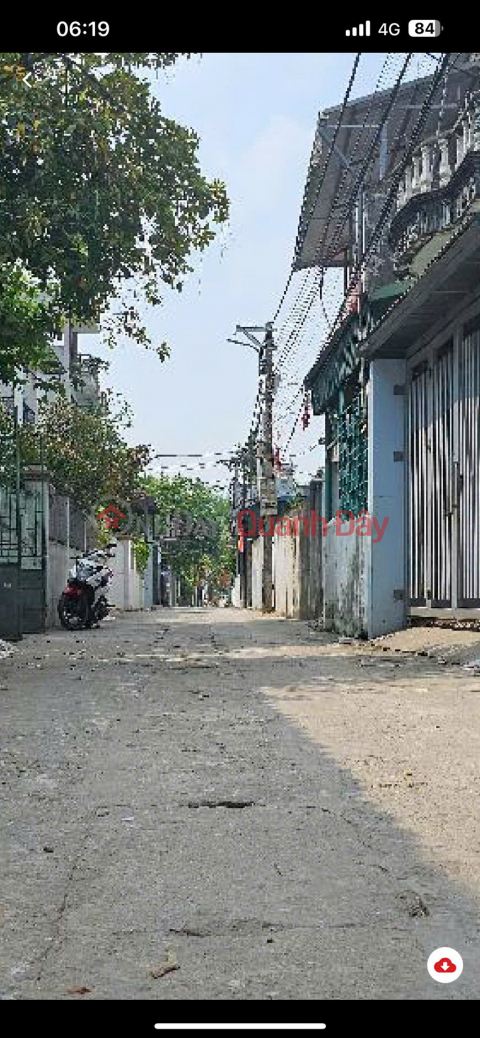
(308, 315)
(308, 318)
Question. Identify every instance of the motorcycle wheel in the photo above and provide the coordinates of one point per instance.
(101, 608)
(73, 620)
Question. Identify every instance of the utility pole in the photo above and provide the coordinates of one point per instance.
(267, 494)
(244, 539)
(265, 470)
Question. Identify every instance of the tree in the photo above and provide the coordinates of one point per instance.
(26, 327)
(98, 191)
(196, 519)
(84, 451)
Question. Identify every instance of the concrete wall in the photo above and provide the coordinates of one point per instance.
(298, 558)
(256, 575)
(311, 548)
(286, 574)
(127, 590)
(345, 567)
(236, 595)
(297, 567)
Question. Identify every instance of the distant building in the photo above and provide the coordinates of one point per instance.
(78, 373)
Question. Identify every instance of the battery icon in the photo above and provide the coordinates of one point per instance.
(424, 27)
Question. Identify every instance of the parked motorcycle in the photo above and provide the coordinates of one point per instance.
(84, 602)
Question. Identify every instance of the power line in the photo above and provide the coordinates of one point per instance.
(361, 127)
(313, 283)
(340, 224)
(442, 68)
(392, 97)
(324, 171)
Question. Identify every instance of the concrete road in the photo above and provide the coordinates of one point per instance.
(213, 804)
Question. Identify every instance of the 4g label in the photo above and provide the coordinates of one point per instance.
(390, 30)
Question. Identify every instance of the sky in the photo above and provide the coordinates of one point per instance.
(255, 115)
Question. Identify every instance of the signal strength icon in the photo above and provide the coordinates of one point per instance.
(360, 30)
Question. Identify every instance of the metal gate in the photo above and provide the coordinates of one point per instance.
(468, 474)
(22, 542)
(443, 449)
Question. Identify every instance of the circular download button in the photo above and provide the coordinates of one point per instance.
(445, 965)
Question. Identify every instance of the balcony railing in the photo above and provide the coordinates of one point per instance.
(435, 160)
(439, 184)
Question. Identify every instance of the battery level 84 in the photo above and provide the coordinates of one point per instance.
(424, 27)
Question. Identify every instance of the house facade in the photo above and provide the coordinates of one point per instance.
(398, 383)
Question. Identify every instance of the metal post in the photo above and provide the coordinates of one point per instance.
(345, 271)
(455, 502)
(18, 516)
